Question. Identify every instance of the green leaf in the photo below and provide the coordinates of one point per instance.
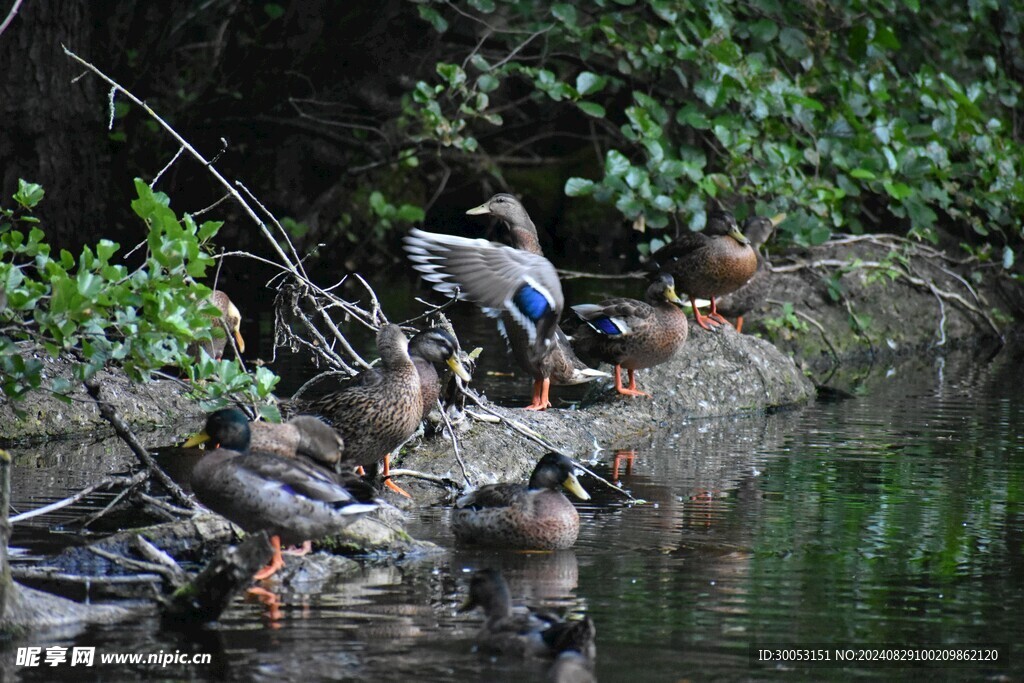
(794, 43)
(591, 109)
(1008, 258)
(862, 173)
(434, 18)
(28, 194)
(588, 83)
(487, 83)
(565, 13)
(579, 187)
(273, 10)
(485, 6)
(615, 163)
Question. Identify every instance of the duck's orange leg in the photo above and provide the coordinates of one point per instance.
(701, 320)
(631, 390)
(276, 562)
(387, 478)
(540, 395)
(739, 323)
(715, 315)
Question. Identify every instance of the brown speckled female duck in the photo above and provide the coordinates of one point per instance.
(633, 334)
(533, 516)
(710, 264)
(290, 499)
(758, 230)
(303, 436)
(515, 284)
(230, 319)
(379, 411)
(429, 349)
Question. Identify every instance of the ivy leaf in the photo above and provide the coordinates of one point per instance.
(588, 83)
(565, 13)
(615, 164)
(591, 109)
(579, 187)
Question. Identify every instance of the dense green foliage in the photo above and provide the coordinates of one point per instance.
(97, 310)
(872, 115)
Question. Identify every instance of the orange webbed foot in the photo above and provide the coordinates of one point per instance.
(276, 562)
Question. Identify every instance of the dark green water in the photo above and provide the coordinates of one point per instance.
(894, 518)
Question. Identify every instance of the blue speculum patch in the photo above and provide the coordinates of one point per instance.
(606, 326)
(531, 302)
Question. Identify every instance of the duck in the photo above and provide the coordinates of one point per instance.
(531, 516)
(230, 319)
(710, 264)
(758, 229)
(293, 501)
(520, 631)
(378, 411)
(571, 667)
(633, 334)
(430, 349)
(302, 436)
(515, 284)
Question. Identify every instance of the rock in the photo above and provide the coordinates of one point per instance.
(715, 373)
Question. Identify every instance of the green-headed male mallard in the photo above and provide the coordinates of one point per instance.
(532, 516)
(429, 349)
(515, 284)
(633, 334)
(758, 230)
(290, 499)
(379, 410)
(521, 631)
(709, 264)
(230, 319)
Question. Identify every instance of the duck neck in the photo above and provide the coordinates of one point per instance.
(523, 235)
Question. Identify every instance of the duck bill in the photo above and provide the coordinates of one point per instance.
(239, 341)
(738, 236)
(479, 211)
(196, 439)
(670, 294)
(572, 484)
(458, 368)
(777, 218)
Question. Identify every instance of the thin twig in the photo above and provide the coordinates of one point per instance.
(808, 318)
(128, 482)
(170, 163)
(92, 385)
(455, 440)
(10, 16)
(574, 274)
(444, 482)
(516, 426)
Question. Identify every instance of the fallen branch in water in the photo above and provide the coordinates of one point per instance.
(109, 482)
(92, 385)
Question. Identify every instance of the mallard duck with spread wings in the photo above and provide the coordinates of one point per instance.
(515, 284)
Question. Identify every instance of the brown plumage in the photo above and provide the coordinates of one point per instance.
(519, 631)
(230, 320)
(290, 499)
(429, 349)
(633, 334)
(710, 264)
(380, 410)
(532, 516)
(303, 436)
(750, 296)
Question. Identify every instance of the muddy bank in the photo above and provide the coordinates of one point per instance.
(716, 373)
(39, 416)
(895, 301)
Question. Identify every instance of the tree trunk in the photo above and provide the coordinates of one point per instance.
(53, 127)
